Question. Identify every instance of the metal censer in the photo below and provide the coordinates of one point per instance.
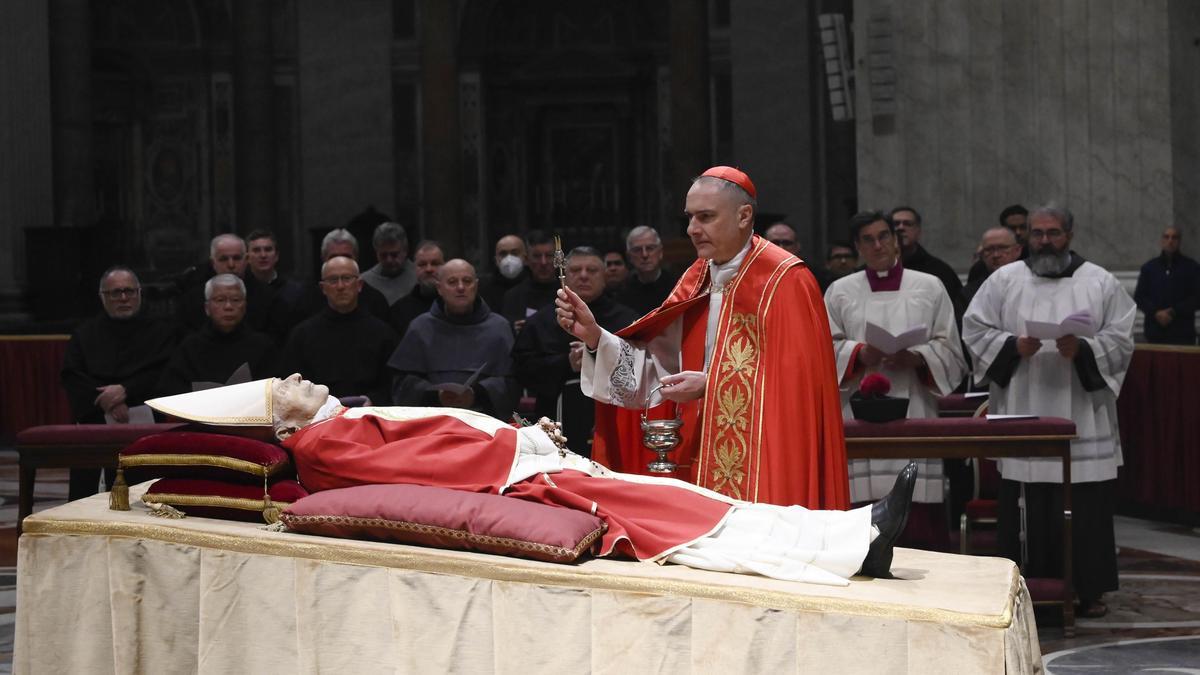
(661, 437)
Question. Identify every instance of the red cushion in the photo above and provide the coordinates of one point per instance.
(218, 499)
(189, 454)
(978, 509)
(960, 403)
(89, 434)
(961, 426)
(431, 516)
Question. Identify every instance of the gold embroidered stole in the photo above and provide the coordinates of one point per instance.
(730, 445)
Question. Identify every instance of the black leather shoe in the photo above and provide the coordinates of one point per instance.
(889, 515)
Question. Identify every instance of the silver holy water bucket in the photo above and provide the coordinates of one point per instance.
(660, 436)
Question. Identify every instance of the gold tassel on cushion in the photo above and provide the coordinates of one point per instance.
(118, 499)
(270, 511)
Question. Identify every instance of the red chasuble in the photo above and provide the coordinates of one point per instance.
(644, 521)
(769, 428)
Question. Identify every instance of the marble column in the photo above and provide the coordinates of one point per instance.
(691, 136)
(26, 169)
(346, 153)
(441, 145)
(774, 111)
(71, 82)
(253, 102)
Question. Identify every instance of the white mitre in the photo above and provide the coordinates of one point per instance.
(238, 405)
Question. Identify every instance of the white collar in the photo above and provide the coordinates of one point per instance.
(723, 273)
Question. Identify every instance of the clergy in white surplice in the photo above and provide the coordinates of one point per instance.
(898, 301)
(1054, 336)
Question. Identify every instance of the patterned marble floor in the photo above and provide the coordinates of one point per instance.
(1153, 624)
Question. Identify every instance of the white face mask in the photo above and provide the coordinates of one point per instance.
(510, 266)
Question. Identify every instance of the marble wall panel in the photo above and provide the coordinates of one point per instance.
(1003, 101)
(346, 129)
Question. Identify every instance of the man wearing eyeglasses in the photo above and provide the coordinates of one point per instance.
(784, 236)
(225, 344)
(343, 342)
(226, 255)
(898, 299)
(1074, 372)
(650, 283)
(908, 234)
(113, 362)
(997, 248)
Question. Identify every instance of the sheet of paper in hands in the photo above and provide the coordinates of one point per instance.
(881, 339)
(239, 376)
(1078, 324)
(455, 387)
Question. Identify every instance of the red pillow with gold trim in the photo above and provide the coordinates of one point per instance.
(192, 454)
(227, 501)
(444, 518)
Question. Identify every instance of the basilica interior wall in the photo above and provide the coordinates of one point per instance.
(967, 107)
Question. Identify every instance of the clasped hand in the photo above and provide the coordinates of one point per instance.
(1067, 345)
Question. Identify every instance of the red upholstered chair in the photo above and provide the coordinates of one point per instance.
(983, 506)
(72, 446)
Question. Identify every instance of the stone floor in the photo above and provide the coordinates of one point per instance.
(1153, 624)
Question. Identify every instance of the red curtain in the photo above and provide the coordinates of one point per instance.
(30, 393)
(1159, 415)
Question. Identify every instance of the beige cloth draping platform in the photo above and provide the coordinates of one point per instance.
(108, 591)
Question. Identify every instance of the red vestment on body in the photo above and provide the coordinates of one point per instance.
(769, 427)
(644, 521)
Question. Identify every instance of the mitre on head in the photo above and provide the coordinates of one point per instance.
(240, 405)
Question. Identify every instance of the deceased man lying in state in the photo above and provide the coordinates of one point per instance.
(649, 518)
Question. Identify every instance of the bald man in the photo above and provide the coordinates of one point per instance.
(343, 345)
(784, 236)
(456, 354)
(1166, 292)
(510, 268)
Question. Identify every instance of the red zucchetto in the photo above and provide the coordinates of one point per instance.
(735, 176)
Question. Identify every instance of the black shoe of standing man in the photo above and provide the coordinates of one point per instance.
(889, 515)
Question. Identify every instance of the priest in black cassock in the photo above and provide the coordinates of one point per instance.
(274, 302)
(539, 289)
(428, 259)
(113, 361)
(343, 345)
(223, 345)
(548, 360)
(459, 341)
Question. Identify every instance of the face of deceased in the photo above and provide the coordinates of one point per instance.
(717, 225)
(294, 402)
(458, 286)
(585, 276)
(121, 295)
